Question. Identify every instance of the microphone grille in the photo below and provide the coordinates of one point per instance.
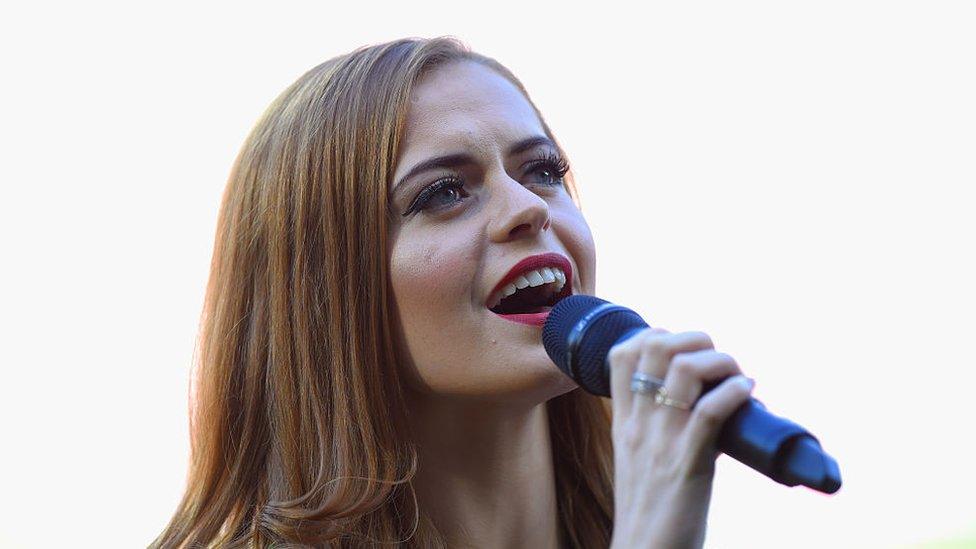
(603, 329)
(563, 316)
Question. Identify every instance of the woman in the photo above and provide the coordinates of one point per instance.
(367, 375)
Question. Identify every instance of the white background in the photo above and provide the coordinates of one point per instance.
(793, 178)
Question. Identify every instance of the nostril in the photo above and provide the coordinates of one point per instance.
(521, 228)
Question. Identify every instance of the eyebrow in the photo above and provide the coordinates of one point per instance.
(454, 160)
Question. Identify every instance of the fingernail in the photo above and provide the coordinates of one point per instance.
(747, 382)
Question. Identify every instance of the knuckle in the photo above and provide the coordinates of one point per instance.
(655, 344)
(727, 359)
(629, 350)
(683, 364)
(703, 339)
(621, 356)
(615, 354)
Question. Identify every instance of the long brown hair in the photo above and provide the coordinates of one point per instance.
(297, 429)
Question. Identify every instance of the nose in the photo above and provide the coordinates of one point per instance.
(518, 212)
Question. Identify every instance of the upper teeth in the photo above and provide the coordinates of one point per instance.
(537, 277)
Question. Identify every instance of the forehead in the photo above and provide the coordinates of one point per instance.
(465, 105)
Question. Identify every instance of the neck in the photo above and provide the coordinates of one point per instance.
(486, 476)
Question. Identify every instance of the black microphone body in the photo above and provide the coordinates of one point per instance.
(581, 330)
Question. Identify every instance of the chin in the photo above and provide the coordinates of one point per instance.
(547, 384)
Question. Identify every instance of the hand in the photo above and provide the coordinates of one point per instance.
(664, 456)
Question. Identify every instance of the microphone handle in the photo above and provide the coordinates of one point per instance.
(778, 448)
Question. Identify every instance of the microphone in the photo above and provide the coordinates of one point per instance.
(581, 329)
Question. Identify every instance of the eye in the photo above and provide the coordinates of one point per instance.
(548, 170)
(438, 195)
(443, 196)
(546, 176)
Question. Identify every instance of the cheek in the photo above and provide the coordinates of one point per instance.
(432, 280)
(575, 234)
(420, 273)
(432, 287)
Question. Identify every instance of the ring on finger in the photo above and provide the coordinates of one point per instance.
(662, 398)
(645, 384)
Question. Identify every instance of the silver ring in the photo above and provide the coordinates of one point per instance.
(645, 384)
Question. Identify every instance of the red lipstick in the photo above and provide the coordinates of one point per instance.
(528, 264)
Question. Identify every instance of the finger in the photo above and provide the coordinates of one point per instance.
(689, 372)
(657, 356)
(713, 409)
(622, 359)
(654, 352)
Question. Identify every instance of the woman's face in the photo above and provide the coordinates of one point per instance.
(495, 197)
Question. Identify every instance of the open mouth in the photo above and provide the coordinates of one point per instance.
(532, 299)
(529, 297)
(530, 289)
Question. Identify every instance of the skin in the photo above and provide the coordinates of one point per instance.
(477, 383)
(445, 263)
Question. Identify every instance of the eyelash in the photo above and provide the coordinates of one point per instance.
(551, 161)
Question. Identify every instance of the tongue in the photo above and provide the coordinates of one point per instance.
(531, 310)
